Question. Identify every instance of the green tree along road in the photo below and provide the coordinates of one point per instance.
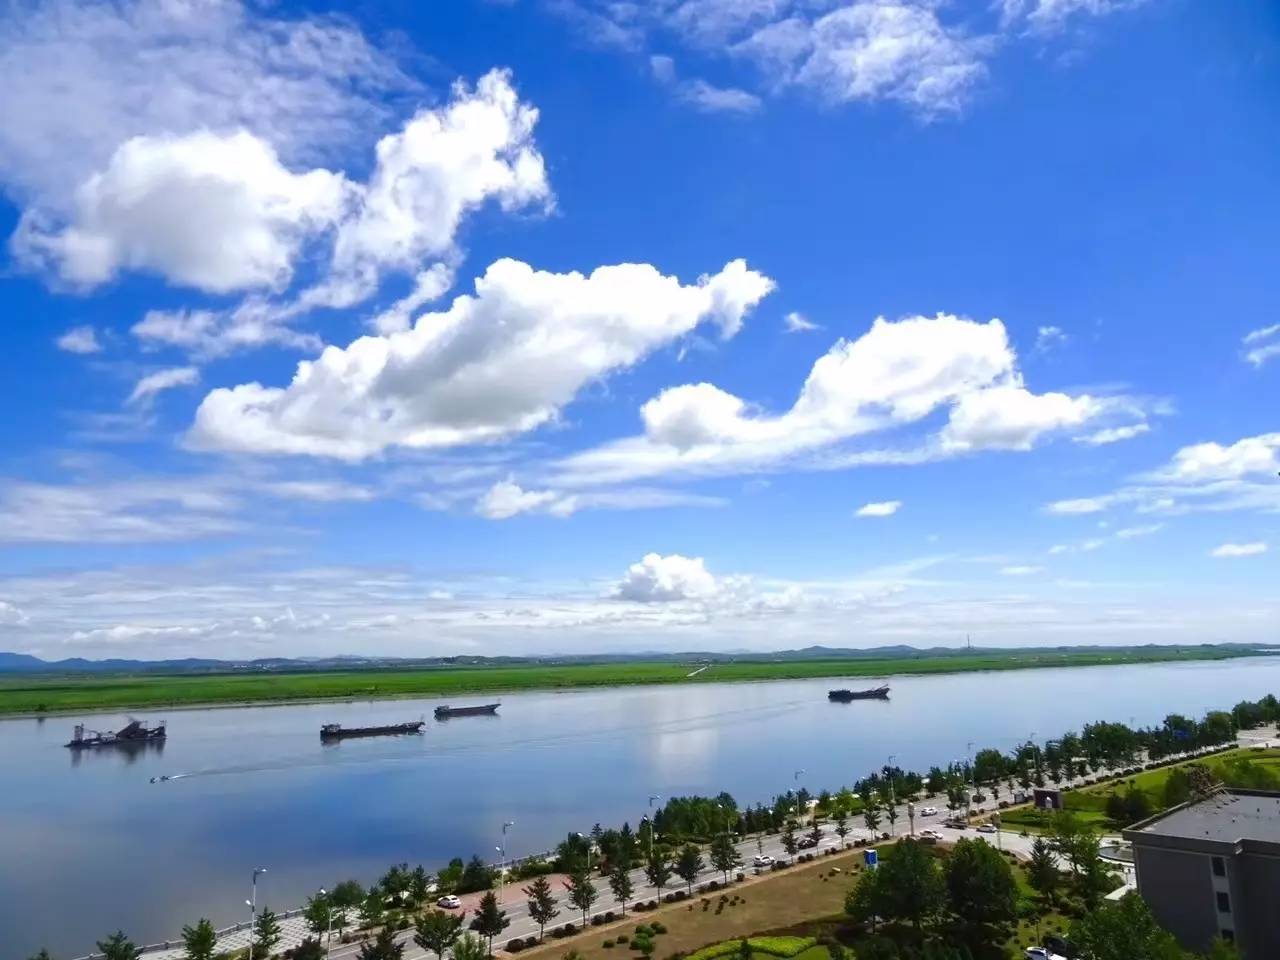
(200, 941)
(542, 904)
(437, 931)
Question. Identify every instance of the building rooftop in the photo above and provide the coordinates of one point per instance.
(1229, 816)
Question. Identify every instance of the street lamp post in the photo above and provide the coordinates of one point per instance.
(328, 937)
(796, 776)
(252, 904)
(587, 841)
(893, 800)
(502, 861)
(649, 817)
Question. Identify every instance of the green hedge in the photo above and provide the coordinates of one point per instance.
(784, 947)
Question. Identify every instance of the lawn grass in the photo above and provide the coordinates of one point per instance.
(1089, 803)
(808, 891)
(45, 693)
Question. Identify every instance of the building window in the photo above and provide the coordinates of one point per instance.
(1219, 867)
(1224, 902)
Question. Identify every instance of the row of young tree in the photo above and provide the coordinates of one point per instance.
(669, 839)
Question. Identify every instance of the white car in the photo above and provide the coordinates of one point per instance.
(449, 902)
(929, 811)
(933, 835)
(763, 860)
(986, 828)
(1042, 953)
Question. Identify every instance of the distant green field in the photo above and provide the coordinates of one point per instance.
(26, 694)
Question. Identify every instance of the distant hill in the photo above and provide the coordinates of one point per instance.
(17, 663)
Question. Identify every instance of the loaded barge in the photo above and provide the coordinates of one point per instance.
(336, 731)
(134, 732)
(445, 712)
(844, 696)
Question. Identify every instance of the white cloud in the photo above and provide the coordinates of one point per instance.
(1012, 418)
(664, 579)
(895, 374)
(1079, 505)
(1129, 533)
(114, 512)
(208, 334)
(501, 362)
(428, 286)
(318, 491)
(1263, 343)
(1213, 461)
(11, 615)
(1020, 571)
(82, 340)
(798, 323)
(218, 213)
(159, 381)
(1053, 15)
(1239, 549)
(702, 95)
(1113, 434)
(1049, 337)
(1202, 477)
(884, 508)
(507, 499)
(82, 77)
(445, 163)
(221, 213)
(876, 50)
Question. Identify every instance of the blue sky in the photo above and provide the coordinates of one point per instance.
(565, 325)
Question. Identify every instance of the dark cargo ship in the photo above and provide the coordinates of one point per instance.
(133, 733)
(844, 696)
(336, 731)
(445, 712)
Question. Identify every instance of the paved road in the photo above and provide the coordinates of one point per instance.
(513, 900)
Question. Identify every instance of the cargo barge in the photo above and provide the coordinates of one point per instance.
(336, 731)
(134, 732)
(446, 712)
(844, 696)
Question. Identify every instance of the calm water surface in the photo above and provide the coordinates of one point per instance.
(88, 844)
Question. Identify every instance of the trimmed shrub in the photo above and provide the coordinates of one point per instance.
(623, 938)
(608, 944)
(658, 927)
(515, 945)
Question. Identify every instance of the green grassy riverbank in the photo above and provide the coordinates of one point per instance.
(43, 693)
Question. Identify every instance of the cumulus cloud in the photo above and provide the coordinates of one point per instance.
(154, 383)
(83, 77)
(506, 498)
(494, 364)
(1049, 16)
(1201, 477)
(884, 508)
(208, 334)
(1239, 549)
(895, 374)
(221, 213)
(1049, 337)
(217, 213)
(664, 579)
(82, 340)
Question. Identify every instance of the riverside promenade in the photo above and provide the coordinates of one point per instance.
(512, 899)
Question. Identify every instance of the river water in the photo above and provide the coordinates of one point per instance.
(88, 844)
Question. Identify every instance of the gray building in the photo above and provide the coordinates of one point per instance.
(1211, 868)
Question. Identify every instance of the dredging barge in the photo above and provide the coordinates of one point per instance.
(844, 696)
(336, 731)
(133, 733)
(446, 712)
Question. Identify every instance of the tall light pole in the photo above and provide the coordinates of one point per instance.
(893, 800)
(796, 776)
(252, 904)
(652, 826)
(502, 853)
(328, 937)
